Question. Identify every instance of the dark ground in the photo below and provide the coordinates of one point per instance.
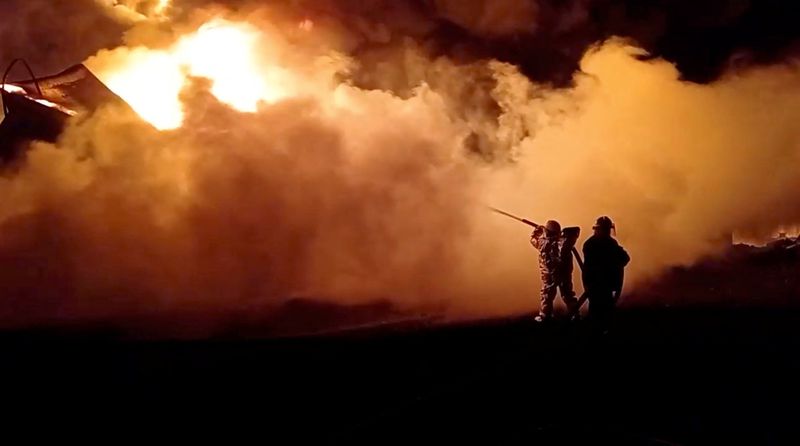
(687, 376)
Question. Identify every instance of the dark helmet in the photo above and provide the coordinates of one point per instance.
(604, 223)
(552, 227)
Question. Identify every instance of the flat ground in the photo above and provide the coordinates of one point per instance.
(680, 376)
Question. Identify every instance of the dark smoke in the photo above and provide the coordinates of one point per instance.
(52, 36)
(545, 38)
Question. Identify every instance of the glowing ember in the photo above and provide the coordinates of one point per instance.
(14, 89)
(60, 108)
(226, 53)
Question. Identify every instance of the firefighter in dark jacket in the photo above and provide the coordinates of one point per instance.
(603, 270)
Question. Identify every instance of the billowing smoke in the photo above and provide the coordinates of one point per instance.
(369, 178)
(545, 38)
(54, 35)
(238, 211)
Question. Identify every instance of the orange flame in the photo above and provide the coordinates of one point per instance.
(229, 54)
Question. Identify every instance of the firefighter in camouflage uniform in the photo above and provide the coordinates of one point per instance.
(555, 264)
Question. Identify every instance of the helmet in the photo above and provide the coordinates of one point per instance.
(604, 223)
(552, 227)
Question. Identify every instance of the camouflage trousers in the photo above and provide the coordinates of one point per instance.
(552, 283)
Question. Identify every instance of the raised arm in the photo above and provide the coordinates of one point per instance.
(536, 237)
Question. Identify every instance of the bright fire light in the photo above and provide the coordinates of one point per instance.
(226, 53)
(162, 6)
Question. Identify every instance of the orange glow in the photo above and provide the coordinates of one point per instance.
(228, 54)
(162, 6)
(21, 91)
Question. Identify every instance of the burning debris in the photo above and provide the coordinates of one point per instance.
(37, 109)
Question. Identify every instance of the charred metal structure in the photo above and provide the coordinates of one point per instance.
(38, 109)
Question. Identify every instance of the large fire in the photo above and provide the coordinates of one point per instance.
(230, 55)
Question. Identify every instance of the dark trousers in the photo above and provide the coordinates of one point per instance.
(601, 305)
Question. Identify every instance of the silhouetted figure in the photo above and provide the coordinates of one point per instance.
(603, 270)
(553, 261)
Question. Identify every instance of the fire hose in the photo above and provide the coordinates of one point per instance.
(585, 296)
(537, 226)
